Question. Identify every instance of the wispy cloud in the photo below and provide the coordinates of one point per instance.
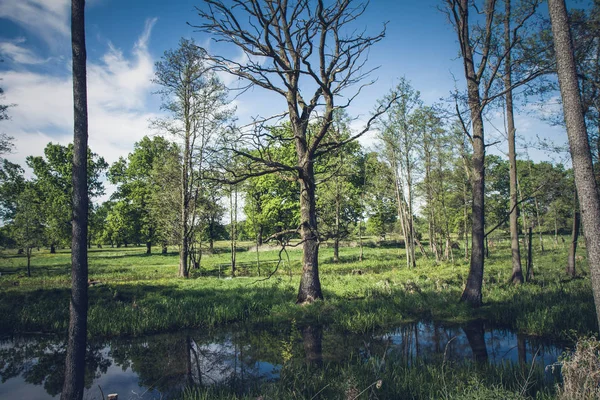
(44, 18)
(13, 50)
(118, 91)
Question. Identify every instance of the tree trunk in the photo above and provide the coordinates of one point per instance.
(472, 292)
(336, 241)
(148, 247)
(587, 189)
(233, 223)
(164, 250)
(466, 220)
(336, 250)
(571, 264)
(539, 223)
(78, 307)
(52, 249)
(517, 269)
(28, 250)
(310, 285)
(529, 254)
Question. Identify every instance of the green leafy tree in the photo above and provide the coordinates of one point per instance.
(12, 183)
(133, 176)
(339, 206)
(380, 196)
(27, 228)
(53, 175)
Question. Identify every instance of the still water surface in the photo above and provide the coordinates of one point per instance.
(161, 366)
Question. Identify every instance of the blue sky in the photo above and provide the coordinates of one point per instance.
(126, 38)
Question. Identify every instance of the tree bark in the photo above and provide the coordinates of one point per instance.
(310, 284)
(587, 189)
(148, 247)
(517, 270)
(76, 344)
(52, 249)
(529, 254)
(28, 253)
(472, 292)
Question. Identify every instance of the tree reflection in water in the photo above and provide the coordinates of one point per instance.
(304, 359)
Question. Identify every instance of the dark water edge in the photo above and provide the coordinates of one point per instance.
(244, 360)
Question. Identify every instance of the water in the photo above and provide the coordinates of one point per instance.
(161, 366)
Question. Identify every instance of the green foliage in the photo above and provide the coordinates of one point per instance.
(339, 205)
(137, 294)
(132, 218)
(379, 198)
(53, 176)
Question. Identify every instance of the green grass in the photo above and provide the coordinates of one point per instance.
(138, 293)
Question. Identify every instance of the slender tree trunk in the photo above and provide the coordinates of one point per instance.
(76, 344)
(336, 242)
(571, 261)
(148, 247)
(258, 240)
(310, 284)
(233, 223)
(466, 219)
(555, 229)
(185, 197)
(360, 241)
(401, 213)
(529, 254)
(28, 252)
(539, 223)
(517, 270)
(52, 249)
(587, 189)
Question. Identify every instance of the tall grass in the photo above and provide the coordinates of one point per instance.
(132, 293)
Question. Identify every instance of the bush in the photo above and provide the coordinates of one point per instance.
(581, 371)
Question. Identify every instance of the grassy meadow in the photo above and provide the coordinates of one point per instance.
(132, 293)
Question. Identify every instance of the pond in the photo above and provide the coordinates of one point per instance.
(308, 361)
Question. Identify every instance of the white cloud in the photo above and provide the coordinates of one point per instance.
(18, 54)
(118, 90)
(44, 18)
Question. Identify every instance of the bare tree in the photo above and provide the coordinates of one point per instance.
(587, 189)
(196, 101)
(309, 53)
(517, 270)
(78, 308)
(482, 71)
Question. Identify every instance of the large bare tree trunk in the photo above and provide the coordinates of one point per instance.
(517, 269)
(310, 285)
(78, 307)
(587, 189)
